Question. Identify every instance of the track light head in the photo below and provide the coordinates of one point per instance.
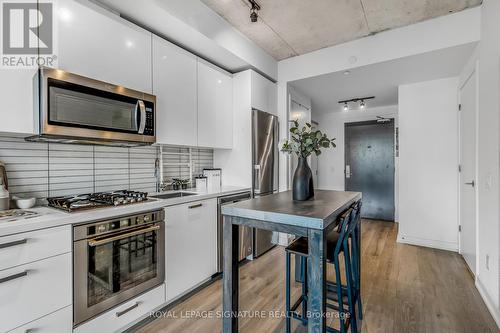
(362, 104)
(253, 16)
(253, 10)
(346, 107)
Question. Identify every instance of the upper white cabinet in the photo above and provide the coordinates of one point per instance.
(215, 107)
(175, 87)
(98, 44)
(16, 113)
(264, 95)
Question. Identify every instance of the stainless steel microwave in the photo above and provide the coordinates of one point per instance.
(70, 108)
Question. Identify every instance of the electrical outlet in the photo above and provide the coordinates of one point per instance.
(488, 262)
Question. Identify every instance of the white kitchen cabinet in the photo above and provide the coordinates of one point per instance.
(175, 87)
(126, 314)
(27, 247)
(96, 43)
(60, 321)
(215, 107)
(191, 245)
(264, 94)
(31, 291)
(16, 112)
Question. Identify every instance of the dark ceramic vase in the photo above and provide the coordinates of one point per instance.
(303, 188)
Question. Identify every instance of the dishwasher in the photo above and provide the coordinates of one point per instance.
(245, 234)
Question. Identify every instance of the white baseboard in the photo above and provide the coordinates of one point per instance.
(435, 244)
(487, 300)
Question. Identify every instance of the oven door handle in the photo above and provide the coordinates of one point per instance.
(96, 242)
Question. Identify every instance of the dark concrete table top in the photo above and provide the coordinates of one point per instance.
(317, 213)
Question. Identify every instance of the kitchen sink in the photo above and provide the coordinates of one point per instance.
(173, 195)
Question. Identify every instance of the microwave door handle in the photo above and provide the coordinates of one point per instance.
(142, 120)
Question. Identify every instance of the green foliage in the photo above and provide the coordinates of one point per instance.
(303, 142)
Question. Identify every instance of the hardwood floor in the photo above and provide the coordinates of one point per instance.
(404, 288)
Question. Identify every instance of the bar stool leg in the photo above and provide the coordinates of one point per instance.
(287, 293)
(350, 288)
(338, 283)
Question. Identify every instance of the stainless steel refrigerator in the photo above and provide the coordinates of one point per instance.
(265, 152)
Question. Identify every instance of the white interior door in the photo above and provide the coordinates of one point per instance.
(468, 101)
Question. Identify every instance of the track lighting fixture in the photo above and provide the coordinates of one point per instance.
(360, 100)
(255, 7)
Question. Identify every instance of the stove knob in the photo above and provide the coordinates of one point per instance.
(147, 218)
(101, 228)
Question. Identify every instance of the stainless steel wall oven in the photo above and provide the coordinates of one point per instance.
(115, 260)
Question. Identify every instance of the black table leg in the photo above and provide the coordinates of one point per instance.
(316, 276)
(230, 276)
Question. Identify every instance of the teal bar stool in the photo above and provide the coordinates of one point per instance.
(345, 238)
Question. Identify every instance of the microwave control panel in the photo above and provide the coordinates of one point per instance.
(149, 129)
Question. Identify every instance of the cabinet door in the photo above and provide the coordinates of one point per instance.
(60, 321)
(215, 107)
(191, 250)
(16, 96)
(264, 94)
(98, 44)
(174, 84)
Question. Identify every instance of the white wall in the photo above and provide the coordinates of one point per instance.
(428, 160)
(332, 161)
(489, 146)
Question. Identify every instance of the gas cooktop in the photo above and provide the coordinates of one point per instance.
(96, 200)
(16, 214)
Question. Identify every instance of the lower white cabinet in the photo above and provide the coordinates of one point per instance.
(191, 245)
(122, 316)
(31, 246)
(31, 291)
(60, 321)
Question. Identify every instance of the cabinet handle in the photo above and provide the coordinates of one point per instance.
(13, 277)
(195, 206)
(14, 243)
(121, 313)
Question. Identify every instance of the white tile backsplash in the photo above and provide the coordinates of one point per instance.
(49, 169)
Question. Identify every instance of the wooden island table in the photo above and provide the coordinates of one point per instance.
(278, 212)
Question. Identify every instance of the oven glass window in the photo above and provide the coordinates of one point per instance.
(120, 265)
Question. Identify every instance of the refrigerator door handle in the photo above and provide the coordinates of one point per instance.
(256, 179)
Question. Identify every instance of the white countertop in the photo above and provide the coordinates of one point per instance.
(50, 217)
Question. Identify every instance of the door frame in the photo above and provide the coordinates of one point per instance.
(473, 70)
(370, 120)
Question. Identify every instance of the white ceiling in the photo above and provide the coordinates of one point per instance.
(382, 80)
(288, 28)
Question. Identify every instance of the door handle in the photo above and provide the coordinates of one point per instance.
(14, 243)
(472, 183)
(195, 206)
(142, 122)
(256, 169)
(121, 313)
(13, 277)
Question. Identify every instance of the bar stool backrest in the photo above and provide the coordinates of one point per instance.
(343, 228)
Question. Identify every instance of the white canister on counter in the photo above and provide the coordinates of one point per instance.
(4, 196)
(201, 184)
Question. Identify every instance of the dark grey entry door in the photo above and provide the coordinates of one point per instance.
(369, 166)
